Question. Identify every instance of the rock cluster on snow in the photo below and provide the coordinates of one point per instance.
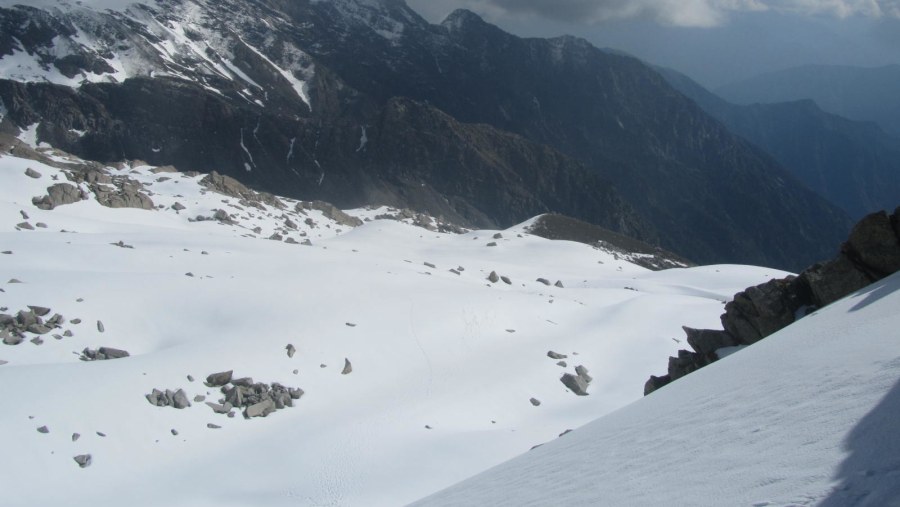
(258, 399)
(102, 354)
(13, 328)
(871, 253)
(168, 398)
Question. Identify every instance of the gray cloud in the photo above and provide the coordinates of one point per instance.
(688, 13)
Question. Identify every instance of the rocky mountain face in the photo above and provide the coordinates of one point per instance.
(853, 164)
(859, 93)
(870, 254)
(362, 101)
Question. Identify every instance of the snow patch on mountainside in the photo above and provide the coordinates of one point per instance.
(445, 363)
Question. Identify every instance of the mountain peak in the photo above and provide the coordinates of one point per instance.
(461, 18)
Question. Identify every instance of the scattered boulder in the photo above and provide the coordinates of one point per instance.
(25, 225)
(83, 460)
(178, 207)
(494, 277)
(498, 236)
(261, 409)
(536, 402)
(555, 355)
(168, 398)
(40, 311)
(348, 368)
(543, 281)
(100, 327)
(31, 173)
(582, 372)
(219, 379)
(291, 350)
(559, 284)
(43, 429)
(103, 354)
(506, 280)
(575, 383)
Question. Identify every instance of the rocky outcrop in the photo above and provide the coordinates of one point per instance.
(59, 194)
(233, 188)
(103, 354)
(871, 253)
(330, 211)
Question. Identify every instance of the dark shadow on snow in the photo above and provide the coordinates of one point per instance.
(876, 291)
(870, 475)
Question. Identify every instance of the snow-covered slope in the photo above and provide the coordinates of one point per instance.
(444, 363)
(808, 416)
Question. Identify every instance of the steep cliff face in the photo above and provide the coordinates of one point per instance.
(304, 97)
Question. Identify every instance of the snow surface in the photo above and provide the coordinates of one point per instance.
(429, 348)
(808, 416)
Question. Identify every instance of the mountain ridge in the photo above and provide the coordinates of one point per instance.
(696, 189)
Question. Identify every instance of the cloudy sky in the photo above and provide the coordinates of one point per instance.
(714, 41)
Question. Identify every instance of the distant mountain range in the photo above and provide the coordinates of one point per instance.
(854, 164)
(857, 93)
(362, 101)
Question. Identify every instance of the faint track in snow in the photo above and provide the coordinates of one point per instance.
(412, 332)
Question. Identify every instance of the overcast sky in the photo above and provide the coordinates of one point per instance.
(714, 41)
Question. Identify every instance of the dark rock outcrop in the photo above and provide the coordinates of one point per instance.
(871, 253)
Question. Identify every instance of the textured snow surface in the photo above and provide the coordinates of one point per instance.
(808, 416)
(444, 364)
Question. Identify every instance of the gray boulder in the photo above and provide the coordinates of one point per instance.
(555, 355)
(348, 368)
(494, 277)
(40, 311)
(707, 341)
(219, 379)
(575, 383)
(31, 173)
(543, 281)
(261, 409)
(180, 400)
(582, 372)
(83, 460)
(291, 350)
